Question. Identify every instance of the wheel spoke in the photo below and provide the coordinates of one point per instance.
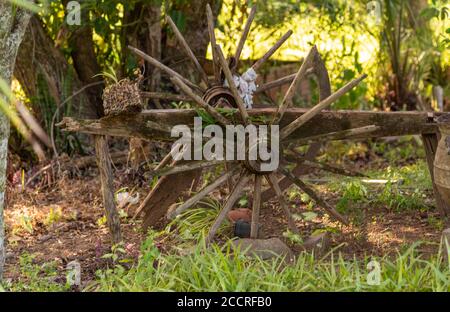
(212, 38)
(293, 87)
(319, 165)
(244, 36)
(233, 88)
(272, 50)
(272, 179)
(256, 206)
(164, 68)
(297, 123)
(355, 133)
(187, 167)
(311, 193)
(202, 193)
(188, 50)
(276, 83)
(231, 200)
(165, 96)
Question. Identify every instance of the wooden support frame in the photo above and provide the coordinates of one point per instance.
(137, 125)
(106, 179)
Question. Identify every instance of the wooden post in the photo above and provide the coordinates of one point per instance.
(106, 178)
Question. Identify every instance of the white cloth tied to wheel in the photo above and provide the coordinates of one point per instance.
(246, 85)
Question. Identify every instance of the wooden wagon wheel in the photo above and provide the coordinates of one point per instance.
(222, 91)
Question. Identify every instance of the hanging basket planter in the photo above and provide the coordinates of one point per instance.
(122, 97)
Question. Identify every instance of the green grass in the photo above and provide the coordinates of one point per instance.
(195, 222)
(408, 188)
(35, 277)
(222, 269)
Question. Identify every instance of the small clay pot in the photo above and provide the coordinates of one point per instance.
(243, 214)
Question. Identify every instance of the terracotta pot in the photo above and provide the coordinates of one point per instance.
(243, 214)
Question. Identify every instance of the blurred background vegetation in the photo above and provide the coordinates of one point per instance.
(402, 45)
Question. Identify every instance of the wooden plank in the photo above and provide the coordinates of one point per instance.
(165, 193)
(140, 125)
(229, 204)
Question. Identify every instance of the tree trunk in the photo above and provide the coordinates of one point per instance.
(85, 61)
(12, 28)
(143, 33)
(40, 62)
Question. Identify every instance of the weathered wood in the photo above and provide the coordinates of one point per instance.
(212, 39)
(170, 72)
(272, 50)
(300, 121)
(163, 195)
(135, 125)
(165, 96)
(322, 166)
(323, 80)
(248, 24)
(311, 193)
(194, 165)
(355, 133)
(231, 200)
(287, 100)
(147, 198)
(204, 192)
(272, 179)
(275, 83)
(256, 206)
(299, 170)
(201, 103)
(106, 178)
(229, 77)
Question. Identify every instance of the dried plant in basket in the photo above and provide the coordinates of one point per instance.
(123, 96)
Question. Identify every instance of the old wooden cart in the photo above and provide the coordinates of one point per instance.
(224, 100)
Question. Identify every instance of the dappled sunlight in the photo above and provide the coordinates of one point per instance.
(142, 150)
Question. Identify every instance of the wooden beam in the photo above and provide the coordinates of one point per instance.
(304, 118)
(136, 125)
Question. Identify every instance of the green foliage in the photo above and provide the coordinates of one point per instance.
(33, 6)
(195, 222)
(55, 215)
(224, 269)
(34, 277)
(406, 188)
(413, 51)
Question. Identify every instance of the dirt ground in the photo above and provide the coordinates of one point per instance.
(64, 223)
